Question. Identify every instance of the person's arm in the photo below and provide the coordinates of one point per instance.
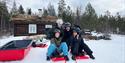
(62, 33)
(81, 39)
(52, 41)
(70, 41)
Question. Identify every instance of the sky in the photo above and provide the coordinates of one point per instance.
(101, 6)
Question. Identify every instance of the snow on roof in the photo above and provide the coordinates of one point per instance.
(22, 17)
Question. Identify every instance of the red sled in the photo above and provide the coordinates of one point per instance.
(58, 59)
(15, 50)
(41, 45)
(82, 57)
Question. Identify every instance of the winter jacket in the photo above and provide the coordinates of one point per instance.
(77, 45)
(66, 35)
(56, 41)
(74, 40)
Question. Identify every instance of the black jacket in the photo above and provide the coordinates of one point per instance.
(74, 40)
(77, 45)
(66, 35)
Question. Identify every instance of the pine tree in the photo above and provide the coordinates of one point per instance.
(61, 8)
(120, 23)
(21, 10)
(4, 17)
(78, 11)
(51, 10)
(45, 12)
(14, 9)
(89, 18)
(29, 12)
(69, 15)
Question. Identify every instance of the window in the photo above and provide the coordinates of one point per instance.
(48, 26)
(32, 28)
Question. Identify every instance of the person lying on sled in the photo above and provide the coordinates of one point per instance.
(78, 45)
(56, 44)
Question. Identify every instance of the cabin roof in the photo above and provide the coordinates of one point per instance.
(31, 18)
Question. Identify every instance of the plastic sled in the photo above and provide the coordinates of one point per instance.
(58, 59)
(15, 50)
(82, 57)
(42, 45)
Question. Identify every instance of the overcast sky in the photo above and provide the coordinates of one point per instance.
(101, 6)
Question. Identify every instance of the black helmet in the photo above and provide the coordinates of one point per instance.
(76, 26)
(57, 30)
(77, 30)
(67, 24)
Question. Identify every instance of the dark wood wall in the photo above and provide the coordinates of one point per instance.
(22, 29)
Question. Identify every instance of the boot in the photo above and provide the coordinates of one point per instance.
(73, 57)
(81, 54)
(92, 57)
(66, 58)
(48, 58)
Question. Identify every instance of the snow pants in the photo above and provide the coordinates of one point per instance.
(62, 48)
(78, 47)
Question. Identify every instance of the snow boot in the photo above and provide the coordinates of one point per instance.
(81, 54)
(73, 57)
(48, 58)
(33, 44)
(92, 57)
(66, 58)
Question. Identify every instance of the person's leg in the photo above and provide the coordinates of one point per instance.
(64, 48)
(80, 51)
(55, 53)
(87, 49)
(74, 49)
(68, 44)
(51, 49)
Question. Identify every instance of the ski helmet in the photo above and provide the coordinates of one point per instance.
(67, 24)
(76, 30)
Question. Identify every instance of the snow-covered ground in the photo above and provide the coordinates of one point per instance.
(105, 51)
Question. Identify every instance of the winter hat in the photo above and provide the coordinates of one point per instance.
(57, 31)
(67, 24)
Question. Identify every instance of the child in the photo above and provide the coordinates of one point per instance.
(56, 44)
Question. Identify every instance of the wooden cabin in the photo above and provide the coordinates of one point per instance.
(32, 25)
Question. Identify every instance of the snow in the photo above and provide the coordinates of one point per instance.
(110, 51)
(96, 34)
(105, 51)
